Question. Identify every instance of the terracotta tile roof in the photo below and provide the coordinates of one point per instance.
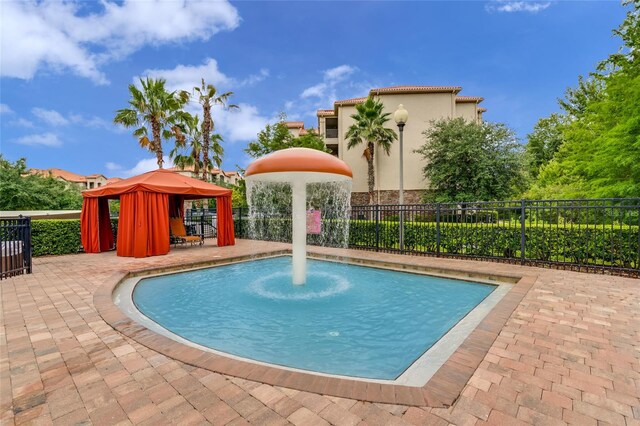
(414, 89)
(307, 131)
(475, 99)
(113, 180)
(190, 169)
(95, 175)
(294, 124)
(352, 101)
(399, 90)
(59, 173)
(482, 110)
(182, 169)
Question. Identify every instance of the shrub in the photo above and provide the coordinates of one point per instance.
(55, 236)
(588, 245)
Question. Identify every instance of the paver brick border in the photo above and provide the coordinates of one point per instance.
(441, 390)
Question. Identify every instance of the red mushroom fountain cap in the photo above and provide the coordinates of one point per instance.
(299, 160)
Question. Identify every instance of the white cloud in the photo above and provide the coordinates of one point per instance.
(97, 123)
(242, 124)
(186, 77)
(22, 122)
(44, 139)
(62, 36)
(54, 118)
(4, 109)
(254, 78)
(49, 116)
(111, 166)
(516, 6)
(339, 73)
(141, 166)
(331, 78)
(322, 95)
(235, 125)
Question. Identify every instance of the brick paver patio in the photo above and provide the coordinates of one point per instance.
(569, 354)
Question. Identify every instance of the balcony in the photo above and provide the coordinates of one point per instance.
(331, 128)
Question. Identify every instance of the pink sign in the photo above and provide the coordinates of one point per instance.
(314, 224)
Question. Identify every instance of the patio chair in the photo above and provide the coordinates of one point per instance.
(178, 233)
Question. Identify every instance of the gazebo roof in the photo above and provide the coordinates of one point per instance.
(160, 181)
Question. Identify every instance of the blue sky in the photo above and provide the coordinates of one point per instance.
(65, 66)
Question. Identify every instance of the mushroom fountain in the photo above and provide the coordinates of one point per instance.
(297, 167)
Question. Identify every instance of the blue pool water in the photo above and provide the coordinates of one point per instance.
(348, 320)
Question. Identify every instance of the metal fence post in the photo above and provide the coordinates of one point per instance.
(240, 222)
(438, 229)
(377, 213)
(522, 231)
(202, 222)
(27, 245)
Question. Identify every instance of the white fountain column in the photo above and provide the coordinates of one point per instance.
(299, 231)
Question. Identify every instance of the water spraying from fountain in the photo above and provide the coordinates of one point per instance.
(292, 180)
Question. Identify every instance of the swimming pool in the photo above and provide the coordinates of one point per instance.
(347, 320)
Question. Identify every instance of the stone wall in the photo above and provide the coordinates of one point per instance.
(412, 196)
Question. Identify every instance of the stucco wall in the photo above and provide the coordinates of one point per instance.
(423, 108)
(467, 110)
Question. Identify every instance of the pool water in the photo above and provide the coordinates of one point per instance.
(346, 320)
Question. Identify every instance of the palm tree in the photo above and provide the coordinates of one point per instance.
(193, 140)
(156, 108)
(369, 129)
(208, 97)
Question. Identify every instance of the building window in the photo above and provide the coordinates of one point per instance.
(90, 185)
(331, 128)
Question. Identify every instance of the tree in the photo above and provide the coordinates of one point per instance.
(468, 161)
(208, 96)
(544, 142)
(600, 156)
(369, 130)
(576, 100)
(20, 190)
(155, 108)
(275, 137)
(193, 141)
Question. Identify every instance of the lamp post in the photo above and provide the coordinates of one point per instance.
(401, 116)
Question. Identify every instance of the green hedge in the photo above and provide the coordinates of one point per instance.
(588, 245)
(58, 236)
(55, 236)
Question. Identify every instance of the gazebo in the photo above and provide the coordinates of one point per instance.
(146, 203)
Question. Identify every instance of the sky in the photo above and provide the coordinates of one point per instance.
(65, 66)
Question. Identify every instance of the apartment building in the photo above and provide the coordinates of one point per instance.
(216, 175)
(424, 104)
(82, 181)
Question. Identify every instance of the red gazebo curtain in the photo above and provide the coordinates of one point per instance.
(143, 228)
(146, 203)
(95, 225)
(176, 206)
(226, 234)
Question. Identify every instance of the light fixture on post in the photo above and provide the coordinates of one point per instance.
(401, 116)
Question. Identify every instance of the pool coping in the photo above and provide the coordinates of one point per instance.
(441, 390)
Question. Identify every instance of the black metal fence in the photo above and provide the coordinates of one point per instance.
(597, 235)
(15, 247)
(201, 222)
